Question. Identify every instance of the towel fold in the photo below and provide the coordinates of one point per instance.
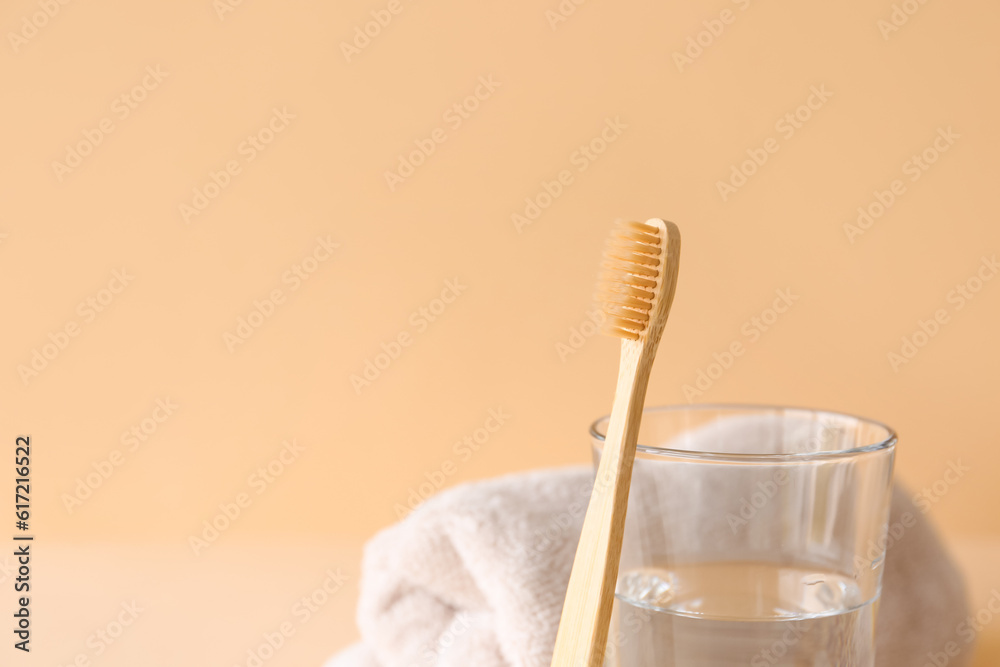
(475, 577)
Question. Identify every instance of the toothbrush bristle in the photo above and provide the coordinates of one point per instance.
(631, 274)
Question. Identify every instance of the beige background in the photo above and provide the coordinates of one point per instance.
(526, 287)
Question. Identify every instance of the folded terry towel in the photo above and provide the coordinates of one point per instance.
(475, 577)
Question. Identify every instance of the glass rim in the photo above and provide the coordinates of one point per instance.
(888, 442)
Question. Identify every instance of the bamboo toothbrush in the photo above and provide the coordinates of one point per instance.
(636, 291)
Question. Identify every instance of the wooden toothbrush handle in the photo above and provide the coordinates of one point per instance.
(586, 614)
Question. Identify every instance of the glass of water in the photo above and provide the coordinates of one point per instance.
(755, 536)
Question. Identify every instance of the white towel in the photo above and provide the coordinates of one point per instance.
(475, 577)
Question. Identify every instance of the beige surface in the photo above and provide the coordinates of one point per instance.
(136, 300)
(208, 612)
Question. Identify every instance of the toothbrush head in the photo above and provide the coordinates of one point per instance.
(640, 274)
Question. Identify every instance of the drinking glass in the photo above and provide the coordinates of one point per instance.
(754, 537)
